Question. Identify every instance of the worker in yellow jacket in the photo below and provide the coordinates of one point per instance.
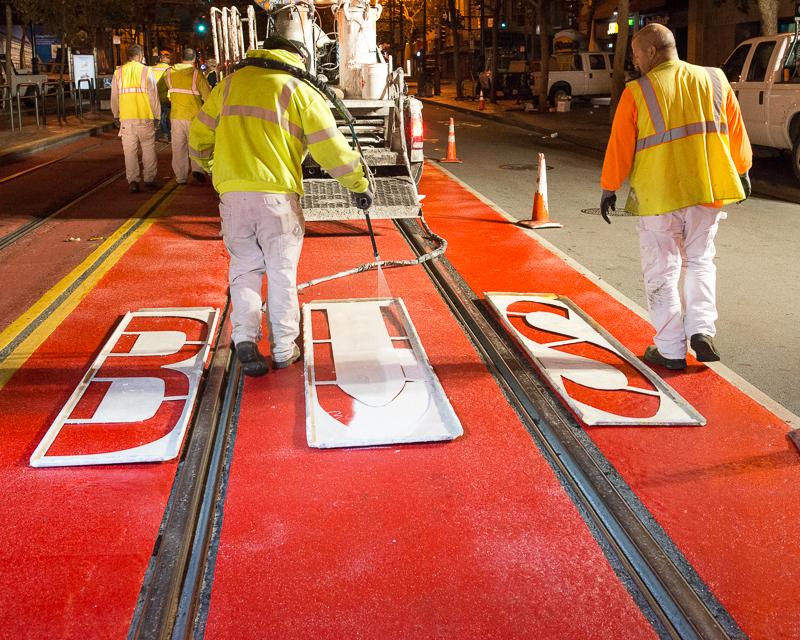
(159, 69)
(252, 135)
(188, 89)
(678, 133)
(136, 109)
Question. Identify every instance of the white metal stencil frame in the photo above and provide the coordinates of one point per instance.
(148, 392)
(555, 365)
(401, 419)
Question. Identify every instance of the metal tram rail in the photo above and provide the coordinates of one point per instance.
(23, 230)
(41, 165)
(174, 597)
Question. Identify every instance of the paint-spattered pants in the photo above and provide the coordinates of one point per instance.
(670, 243)
(264, 234)
(135, 134)
(181, 165)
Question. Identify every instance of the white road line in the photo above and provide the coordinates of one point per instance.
(720, 369)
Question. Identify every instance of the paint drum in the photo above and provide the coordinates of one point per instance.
(374, 78)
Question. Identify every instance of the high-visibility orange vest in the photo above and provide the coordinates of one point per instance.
(683, 153)
(134, 102)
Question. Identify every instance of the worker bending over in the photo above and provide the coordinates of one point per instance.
(251, 134)
(188, 89)
(136, 109)
(678, 133)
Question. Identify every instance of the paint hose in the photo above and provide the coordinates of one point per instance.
(387, 264)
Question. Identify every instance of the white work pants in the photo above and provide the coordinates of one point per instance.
(670, 243)
(136, 133)
(181, 165)
(264, 234)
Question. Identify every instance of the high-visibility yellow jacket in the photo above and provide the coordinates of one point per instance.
(256, 126)
(133, 93)
(159, 69)
(188, 89)
(678, 132)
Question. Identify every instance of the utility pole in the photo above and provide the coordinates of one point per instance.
(422, 84)
(483, 44)
(9, 35)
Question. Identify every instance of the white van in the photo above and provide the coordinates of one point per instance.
(765, 74)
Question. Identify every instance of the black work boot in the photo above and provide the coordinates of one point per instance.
(704, 348)
(253, 363)
(199, 177)
(653, 356)
(133, 187)
(282, 364)
(153, 186)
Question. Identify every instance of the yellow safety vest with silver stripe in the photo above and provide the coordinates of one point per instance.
(683, 153)
(159, 69)
(187, 90)
(134, 102)
(256, 126)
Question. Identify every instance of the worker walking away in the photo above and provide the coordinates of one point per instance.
(678, 133)
(136, 109)
(251, 135)
(159, 71)
(211, 72)
(188, 89)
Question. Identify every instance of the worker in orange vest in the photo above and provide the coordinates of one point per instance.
(678, 133)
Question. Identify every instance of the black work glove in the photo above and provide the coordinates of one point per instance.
(748, 189)
(364, 200)
(156, 124)
(117, 123)
(608, 201)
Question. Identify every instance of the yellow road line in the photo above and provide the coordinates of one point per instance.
(34, 326)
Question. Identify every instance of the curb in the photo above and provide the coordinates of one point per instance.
(25, 149)
(503, 119)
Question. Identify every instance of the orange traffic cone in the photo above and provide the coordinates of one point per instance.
(481, 102)
(451, 144)
(540, 217)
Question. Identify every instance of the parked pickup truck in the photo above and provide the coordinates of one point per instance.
(765, 74)
(577, 75)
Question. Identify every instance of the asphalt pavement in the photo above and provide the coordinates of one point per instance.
(758, 333)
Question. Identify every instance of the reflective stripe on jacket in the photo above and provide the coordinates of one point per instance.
(159, 69)
(256, 126)
(133, 93)
(682, 126)
(187, 91)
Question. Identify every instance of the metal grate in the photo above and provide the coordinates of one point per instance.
(328, 200)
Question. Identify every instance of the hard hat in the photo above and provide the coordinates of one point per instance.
(280, 42)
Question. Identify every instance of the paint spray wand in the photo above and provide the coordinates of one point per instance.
(371, 232)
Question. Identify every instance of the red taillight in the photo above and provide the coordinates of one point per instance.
(417, 130)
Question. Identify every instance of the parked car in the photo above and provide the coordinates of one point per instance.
(582, 75)
(765, 74)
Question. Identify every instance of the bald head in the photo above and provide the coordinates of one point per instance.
(652, 45)
(189, 55)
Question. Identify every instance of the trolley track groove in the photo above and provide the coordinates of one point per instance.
(170, 595)
(682, 605)
(42, 165)
(27, 228)
(170, 600)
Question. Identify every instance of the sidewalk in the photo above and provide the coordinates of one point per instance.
(585, 124)
(32, 138)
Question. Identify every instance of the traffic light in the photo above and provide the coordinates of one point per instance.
(201, 27)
